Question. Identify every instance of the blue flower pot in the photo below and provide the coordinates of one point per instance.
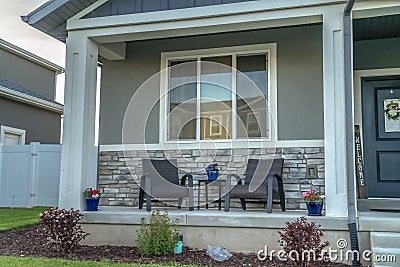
(314, 208)
(92, 204)
(212, 175)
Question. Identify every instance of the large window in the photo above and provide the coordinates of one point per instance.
(217, 95)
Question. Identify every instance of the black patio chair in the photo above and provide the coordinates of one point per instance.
(266, 176)
(160, 180)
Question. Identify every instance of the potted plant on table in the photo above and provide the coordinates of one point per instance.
(212, 171)
(314, 201)
(92, 197)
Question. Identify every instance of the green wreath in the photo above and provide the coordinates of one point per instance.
(392, 111)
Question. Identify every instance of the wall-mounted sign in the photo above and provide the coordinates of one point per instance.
(392, 115)
(360, 174)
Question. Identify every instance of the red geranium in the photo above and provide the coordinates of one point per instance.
(91, 193)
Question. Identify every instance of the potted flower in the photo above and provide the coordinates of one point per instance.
(92, 197)
(212, 171)
(314, 201)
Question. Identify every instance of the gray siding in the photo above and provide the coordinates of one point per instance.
(377, 54)
(40, 125)
(121, 7)
(300, 85)
(27, 74)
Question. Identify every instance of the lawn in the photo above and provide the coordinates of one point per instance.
(19, 217)
(40, 262)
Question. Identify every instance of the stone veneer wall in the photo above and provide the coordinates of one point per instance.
(118, 186)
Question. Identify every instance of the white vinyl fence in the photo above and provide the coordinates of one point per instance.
(30, 175)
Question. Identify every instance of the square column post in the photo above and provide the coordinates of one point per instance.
(334, 112)
(77, 158)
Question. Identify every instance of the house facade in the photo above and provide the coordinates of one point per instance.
(160, 99)
(28, 110)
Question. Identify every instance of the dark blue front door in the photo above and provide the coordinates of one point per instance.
(381, 136)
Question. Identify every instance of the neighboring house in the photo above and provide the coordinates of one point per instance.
(294, 51)
(28, 110)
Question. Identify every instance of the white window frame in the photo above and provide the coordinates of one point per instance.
(6, 129)
(250, 115)
(215, 120)
(270, 49)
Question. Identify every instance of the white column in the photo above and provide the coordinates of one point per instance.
(334, 112)
(77, 158)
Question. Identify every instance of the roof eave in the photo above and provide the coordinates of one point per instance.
(39, 18)
(31, 57)
(31, 100)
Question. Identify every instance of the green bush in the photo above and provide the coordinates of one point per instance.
(159, 237)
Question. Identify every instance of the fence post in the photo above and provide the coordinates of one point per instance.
(33, 171)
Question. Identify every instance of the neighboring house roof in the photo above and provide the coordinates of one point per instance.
(51, 17)
(14, 91)
(30, 56)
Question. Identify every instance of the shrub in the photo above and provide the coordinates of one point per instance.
(61, 229)
(159, 237)
(301, 240)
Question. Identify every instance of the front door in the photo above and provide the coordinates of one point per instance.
(381, 136)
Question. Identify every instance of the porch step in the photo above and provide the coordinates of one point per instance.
(386, 246)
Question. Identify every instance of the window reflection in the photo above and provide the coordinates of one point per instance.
(251, 96)
(201, 102)
(216, 98)
(182, 100)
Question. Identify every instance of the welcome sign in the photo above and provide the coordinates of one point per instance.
(359, 161)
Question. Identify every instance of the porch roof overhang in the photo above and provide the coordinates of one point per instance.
(58, 17)
(52, 16)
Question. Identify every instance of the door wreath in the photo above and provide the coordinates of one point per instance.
(392, 111)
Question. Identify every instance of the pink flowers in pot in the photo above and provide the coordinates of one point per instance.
(313, 196)
(91, 193)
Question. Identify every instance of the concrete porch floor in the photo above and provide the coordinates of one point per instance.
(211, 217)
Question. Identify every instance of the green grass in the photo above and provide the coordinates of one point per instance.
(19, 217)
(40, 262)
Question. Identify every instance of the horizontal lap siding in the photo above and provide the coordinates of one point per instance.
(121, 7)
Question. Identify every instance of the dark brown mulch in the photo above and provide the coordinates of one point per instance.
(28, 242)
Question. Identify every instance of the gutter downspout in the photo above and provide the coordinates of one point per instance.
(348, 79)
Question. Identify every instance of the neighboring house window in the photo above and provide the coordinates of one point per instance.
(218, 94)
(12, 136)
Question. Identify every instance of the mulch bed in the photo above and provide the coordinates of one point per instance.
(28, 242)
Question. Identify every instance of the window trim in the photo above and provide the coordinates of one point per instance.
(270, 49)
(16, 131)
(213, 119)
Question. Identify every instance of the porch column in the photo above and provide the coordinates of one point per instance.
(334, 112)
(77, 159)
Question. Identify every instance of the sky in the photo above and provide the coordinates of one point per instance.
(17, 32)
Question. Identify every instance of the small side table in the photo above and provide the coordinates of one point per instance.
(206, 182)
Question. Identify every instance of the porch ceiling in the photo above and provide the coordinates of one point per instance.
(376, 28)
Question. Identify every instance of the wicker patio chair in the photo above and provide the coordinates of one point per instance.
(267, 184)
(160, 180)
